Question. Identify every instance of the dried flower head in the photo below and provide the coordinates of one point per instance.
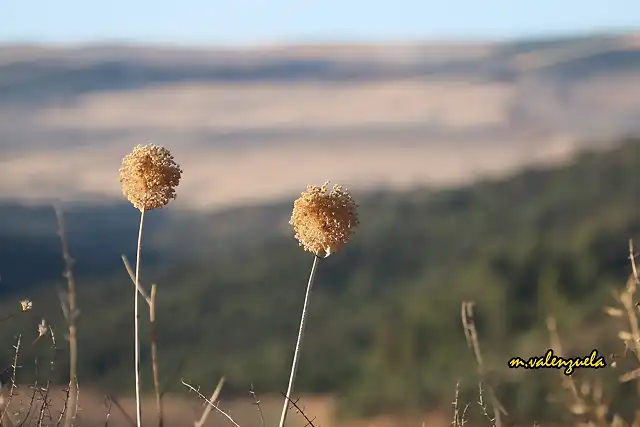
(323, 220)
(26, 305)
(149, 176)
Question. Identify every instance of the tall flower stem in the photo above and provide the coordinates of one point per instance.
(296, 354)
(137, 323)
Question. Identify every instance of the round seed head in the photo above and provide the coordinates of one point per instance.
(323, 220)
(149, 177)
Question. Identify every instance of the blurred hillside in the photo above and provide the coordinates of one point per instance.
(384, 333)
(414, 114)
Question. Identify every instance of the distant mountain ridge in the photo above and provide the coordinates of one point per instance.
(45, 73)
(411, 114)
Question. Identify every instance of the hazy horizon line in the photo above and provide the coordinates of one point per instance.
(319, 42)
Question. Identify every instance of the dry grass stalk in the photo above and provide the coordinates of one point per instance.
(323, 221)
(207, 409)
(211, 403)
(5, 418)
(257, 403)
(149, 177)
(586, 401)
(151, 302)
(471, 336)
(107, 416)
(70, 311)
(154, 354)
(459, 416)
(124, 413)
(132, 275)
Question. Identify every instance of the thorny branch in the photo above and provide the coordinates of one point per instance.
(300, 411)
(471, 335)
(211, 403)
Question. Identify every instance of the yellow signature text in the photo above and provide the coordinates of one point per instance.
(550, 360)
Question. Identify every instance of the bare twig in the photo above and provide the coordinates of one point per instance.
(626, 299)
(629, 376)
(4, 415)
(151, 302)
(300, 411)
(154, 354)
(71, 314)
(132, 275)
(108, 403)
(77, 398)
(7, 318)
(65, 405)
(44, 407)
(54, 347)
(257, 403)
(155, 365)
(634, 266)
(579, 405)
(207, 409)
(29, 406)
(211, 403)
(471, 335)
(126, 416)
(175, 374)
(482, 404)
(459, 417)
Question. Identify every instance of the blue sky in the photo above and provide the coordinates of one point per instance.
(224, 22)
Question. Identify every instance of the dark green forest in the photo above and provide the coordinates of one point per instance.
(384, 331)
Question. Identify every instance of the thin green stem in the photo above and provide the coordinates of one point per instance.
(296, 354)
(137, 324)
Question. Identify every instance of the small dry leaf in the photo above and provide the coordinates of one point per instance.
(617, 421)
(629, 376)
(598, 391)
(601, 411)
(585, 388)
(614, 312)
(578, 408)
(626, 298)
(632, 285)
(625, 336)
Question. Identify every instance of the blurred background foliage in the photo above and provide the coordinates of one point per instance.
(384, 332)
